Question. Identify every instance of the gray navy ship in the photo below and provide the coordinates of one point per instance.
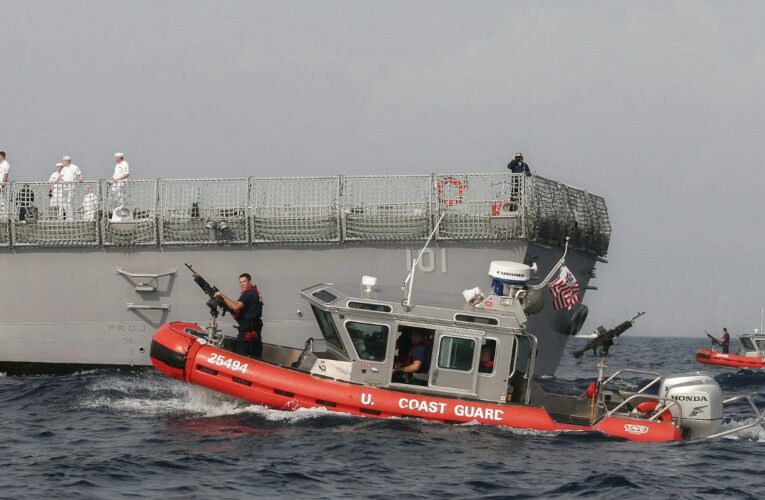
(88, 288)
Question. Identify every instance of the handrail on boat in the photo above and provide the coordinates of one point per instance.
(754, 423)
(666, 405)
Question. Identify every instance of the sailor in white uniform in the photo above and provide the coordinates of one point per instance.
(89, 205)
(121, 173)
(57, 192)
(70, 174)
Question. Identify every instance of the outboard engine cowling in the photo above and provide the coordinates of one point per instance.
(700, 401)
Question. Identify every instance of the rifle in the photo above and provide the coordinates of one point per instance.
(606, 339)
(214, 303)
(715, 340)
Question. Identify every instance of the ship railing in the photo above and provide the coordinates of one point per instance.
(480, 206)
(5, 208)
(555, 211)
(499, 206)
(140, 198)
(54, 215)
(204, 211)
(381, 207)
(295, 209)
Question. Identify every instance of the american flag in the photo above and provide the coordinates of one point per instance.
(565, 290)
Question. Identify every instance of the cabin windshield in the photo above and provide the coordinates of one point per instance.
(748, 344)
(327, 326)
(760, 345)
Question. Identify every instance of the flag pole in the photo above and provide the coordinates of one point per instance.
(554, 270)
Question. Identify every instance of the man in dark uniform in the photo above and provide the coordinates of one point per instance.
(419, 357)
(247, 311)
(725, 340)
(518, 166)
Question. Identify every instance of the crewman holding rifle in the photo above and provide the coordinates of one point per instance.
(248, 311)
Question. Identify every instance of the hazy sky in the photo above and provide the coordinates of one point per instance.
(657, 106)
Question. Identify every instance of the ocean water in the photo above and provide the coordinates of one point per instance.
(120, 434)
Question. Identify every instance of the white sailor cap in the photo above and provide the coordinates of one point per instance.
(59, 164)
(119, 155)
(65, 158)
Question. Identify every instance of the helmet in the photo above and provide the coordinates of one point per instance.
(519, 155)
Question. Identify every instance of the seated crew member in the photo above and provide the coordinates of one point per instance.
(247, 311)
(486, 363)
(419, 357)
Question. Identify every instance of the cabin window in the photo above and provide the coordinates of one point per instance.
(748, 344)
(328, 330)
(487, 357)
(481, 320)
(325, 296)
(522, 355)
(456, 353)
(760, 345)
(370, 341)
(369, 306)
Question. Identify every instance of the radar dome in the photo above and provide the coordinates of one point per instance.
(510, 272)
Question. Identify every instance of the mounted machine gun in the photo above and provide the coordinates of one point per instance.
(604, 341)
(214, 303)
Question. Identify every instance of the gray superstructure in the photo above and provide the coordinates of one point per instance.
(89, 288)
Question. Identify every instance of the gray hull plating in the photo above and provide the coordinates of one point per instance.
(74, 307)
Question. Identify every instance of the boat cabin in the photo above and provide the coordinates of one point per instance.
(474, 353)
(754, 344)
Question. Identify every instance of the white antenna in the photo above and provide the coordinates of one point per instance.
(409, 281)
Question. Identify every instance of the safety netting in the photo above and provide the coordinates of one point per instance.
(203, 211)
(295, 209)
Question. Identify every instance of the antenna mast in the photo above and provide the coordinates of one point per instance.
(409, 281)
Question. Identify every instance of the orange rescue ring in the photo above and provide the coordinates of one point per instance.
(647, 407)
(458, 184)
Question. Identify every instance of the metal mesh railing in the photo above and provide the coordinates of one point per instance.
(302, 209)
(53, 214)
(602, 225)
(555, 211)
(386, 207)
(128, 214)
(480, 206)
(295, 209)
(203, 211)
(5, 239)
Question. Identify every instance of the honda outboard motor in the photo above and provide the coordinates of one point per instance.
(700, 402)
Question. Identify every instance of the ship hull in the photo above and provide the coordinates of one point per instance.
(78, 308)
